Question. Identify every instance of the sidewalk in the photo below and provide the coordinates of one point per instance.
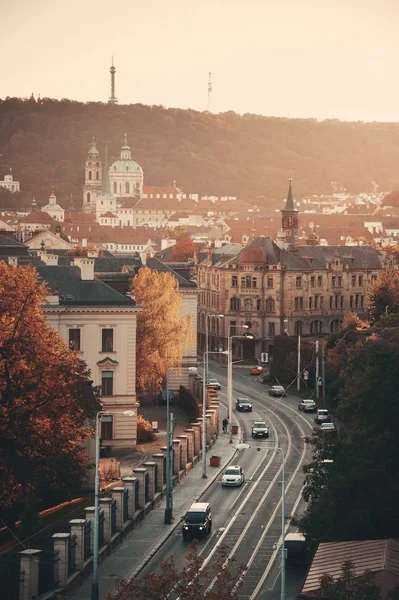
(127, 559)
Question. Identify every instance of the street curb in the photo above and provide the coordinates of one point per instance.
(171, 529)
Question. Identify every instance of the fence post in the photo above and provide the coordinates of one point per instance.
(150, 466)
(176, 457)
(61, 541)
(130, 483)
(106, 505)
(197, 438)
(117, 495)
(29, 574)
(190, 444)
(159, 458)
(78, 529)
(184, 443)
(140, 474)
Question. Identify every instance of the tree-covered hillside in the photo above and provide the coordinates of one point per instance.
(249, 156)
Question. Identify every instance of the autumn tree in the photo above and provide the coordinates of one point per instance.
(184, 249)
(194, 581)
(162, 329)
(45, 397)
(383, 295)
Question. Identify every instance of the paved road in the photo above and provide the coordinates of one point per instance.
(247, 520)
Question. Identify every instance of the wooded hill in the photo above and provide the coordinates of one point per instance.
(248, 156)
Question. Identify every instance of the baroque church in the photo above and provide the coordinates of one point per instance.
(103, 184)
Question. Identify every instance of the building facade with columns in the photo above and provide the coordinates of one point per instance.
(281, 288)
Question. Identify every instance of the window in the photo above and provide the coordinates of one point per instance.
(351, 301)
(316, 327)
(337, 301)
(254, 282)
(312, 281)
(89, 174)
(234, 281)
(74, 339)
(107, 383)
(235, 304)
(353, 280)
(334, 281)
(259, 304)
(107, 340)
(331, 301)
(269, 305)
(374, 278)
(320, 281)
(88, 196)
(335, 325)
(298, 303)
(248, 304)
(299, 282)
(360, 280)
(310, 302)
(321, 301)
(269, 282)
(298, 328)
(272, 329)
(339, 281)
(233, 327)
(127, 188)
(106, 427)
(342, 301)
(316, 301)
(97, 175)
(362, 301)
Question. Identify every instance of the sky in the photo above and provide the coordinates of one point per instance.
(319, 59)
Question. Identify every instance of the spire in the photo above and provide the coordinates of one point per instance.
(126, 152)
(290, 201)
(34, 205)
(112, 99)
(106, 183)
(93, 152)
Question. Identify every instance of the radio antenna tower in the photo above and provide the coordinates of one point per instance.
(112, 99)
(210, 93)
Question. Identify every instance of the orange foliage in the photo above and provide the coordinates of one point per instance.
(184, 249)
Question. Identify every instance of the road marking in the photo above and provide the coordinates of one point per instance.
(239, 494)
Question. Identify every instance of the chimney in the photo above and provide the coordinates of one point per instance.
(143, 257)
(86, 266)
(51, 260)
(13, 261)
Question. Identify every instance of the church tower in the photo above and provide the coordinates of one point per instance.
(93, 179)
(289, 220)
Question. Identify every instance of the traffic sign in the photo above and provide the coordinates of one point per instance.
(306, 375)
(264, 357)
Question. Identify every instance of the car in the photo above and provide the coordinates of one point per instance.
(322, 416)
(277, 390)
(328, 428)
(243, 404)
(257, 370)
(233, 476)
(163, 396)
(260, 429)
(197, 521)
(213, 383)
(307, 406)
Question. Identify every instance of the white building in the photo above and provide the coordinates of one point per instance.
(93, 179)
(53, 209)
(126, 176)
(9, 184)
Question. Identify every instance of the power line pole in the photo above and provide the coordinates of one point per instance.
(317, 369)
(323, 370)
(298, 376)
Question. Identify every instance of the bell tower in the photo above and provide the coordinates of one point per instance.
(93, 179)
(289, 220)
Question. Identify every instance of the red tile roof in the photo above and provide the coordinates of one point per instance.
(38, 217)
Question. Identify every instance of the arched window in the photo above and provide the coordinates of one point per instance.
(316, 327)
(88, 196)
(259, 304)
(97, 175)
(127, 188)
(248, 304)
(203, 320)
(335, 325)
(120, 188)
(235, 304)
(115, 187)
(89, 174)
(269, 305)
(298, 328)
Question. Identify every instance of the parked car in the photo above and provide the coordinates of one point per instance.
(233, 476)
(257, 370)
(197, 521)
(322, 416)
(277, 390)
(243, 404)
(307, 406)
(328, 428)
(163, 396)
(213, 383)
(260, 429)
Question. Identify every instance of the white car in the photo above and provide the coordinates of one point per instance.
(277, 390)
(213, 383)
(233, 476)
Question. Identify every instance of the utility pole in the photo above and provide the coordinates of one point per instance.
(210, 93)
(298, 377)
(317, 369)
(169, 459)
(323, 371)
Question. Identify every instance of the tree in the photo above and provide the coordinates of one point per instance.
(184, 249)
(45, 396)
(189, 583)
(383, 293)
(162, 330)
(349, 586)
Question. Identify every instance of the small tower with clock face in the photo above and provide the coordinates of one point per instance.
(289, 219)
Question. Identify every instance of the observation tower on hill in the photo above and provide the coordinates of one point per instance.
(112, 99)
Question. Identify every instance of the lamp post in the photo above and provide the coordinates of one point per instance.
(204, 382)
(230, 373)
(282, 549)
(95, 594)
(169, 460)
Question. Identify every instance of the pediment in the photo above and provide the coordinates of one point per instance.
(107, 362)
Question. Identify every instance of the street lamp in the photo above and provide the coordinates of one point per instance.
(204, 382)
(169, 460)
(282, 571)
(95, 595)
(230, 372)
(206, 369)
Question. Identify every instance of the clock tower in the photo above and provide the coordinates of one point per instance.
(289, 220)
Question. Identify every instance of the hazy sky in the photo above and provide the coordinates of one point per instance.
(294, 58)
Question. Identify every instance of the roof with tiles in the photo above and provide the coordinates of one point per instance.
(74, 292)
(109, 215)
(367, 555)
(115, 264)
(127, 235)
(78, 217)
(156, 265)
(38, 217)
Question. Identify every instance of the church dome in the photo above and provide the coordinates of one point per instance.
(125, 166)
